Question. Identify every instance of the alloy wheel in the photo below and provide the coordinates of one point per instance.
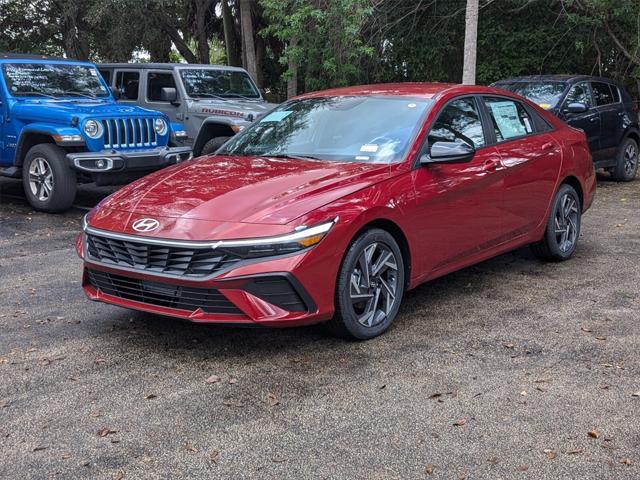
(41, 179)
(373, 286)
(630, 159)
(566, 223)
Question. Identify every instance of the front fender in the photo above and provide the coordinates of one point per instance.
(55, 132)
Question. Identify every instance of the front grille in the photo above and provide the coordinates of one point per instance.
(136, 132)
(181, 262)
(209, 300)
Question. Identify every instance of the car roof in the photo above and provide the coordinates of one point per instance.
(565, 78)
(168, 66)
(9, 57)
(408, 89)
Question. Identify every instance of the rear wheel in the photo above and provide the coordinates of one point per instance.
(626, 162)
(49, 184)
(214, 144)
(369, 288)
(563, 227)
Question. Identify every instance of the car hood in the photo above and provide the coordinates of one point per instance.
(243, 189)
(63, 111)
(233, 108)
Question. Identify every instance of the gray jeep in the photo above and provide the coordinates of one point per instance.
(213, 102)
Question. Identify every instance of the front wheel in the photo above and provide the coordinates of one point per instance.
(49, 184)
(626, 161)
(563, 227)
(214, 144)
(369, 288)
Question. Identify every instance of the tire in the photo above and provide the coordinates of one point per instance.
(563, 227)
(626, 161)
(49, 184)
(363, 319)
(212, 145)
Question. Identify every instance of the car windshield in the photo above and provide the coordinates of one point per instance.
(355, 128)
(203, 83)
(53, 80)
(545, 94)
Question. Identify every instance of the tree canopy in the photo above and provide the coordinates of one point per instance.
(301, 45)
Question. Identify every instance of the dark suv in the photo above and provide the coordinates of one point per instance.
(599, 106)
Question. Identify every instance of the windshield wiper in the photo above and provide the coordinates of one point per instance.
(207, 95)
(79, 94)
(291, 156)
(41, 94)
(234, 95)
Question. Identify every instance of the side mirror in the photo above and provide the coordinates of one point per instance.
(115, 92)
(449, 152)
(576, 107)
(168, 94)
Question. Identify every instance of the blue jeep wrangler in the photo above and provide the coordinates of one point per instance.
(60, 125)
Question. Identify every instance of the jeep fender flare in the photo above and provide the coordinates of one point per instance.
(37, 133)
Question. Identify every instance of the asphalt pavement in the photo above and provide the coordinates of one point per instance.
(513, 368)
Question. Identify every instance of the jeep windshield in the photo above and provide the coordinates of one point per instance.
(212, 83)
(546, 94)
(376, 129)
(53, 80)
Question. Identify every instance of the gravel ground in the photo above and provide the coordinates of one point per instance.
(498, 371)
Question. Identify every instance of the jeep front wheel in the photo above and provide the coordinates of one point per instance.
(214, 144)
(49, 184)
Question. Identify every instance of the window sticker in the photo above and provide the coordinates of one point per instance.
(277, 116)
(362, 158)
(369, 148)
(507, 120)
(527, 125)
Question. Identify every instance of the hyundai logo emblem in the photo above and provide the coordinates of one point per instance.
(146, 225)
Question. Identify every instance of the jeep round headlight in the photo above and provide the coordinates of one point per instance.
(161, 126)
(93, 128)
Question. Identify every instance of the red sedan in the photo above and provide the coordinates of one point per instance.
(334, 204)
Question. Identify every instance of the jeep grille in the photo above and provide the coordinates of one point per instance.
(137, 132)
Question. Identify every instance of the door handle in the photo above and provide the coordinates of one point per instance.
(491, 165)
(594, 119)
(548, 146)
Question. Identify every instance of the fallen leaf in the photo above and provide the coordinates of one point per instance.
(38, 449)
(575, 451)
(213, 379)
(104, 431)
(214, 456)
(95, 414)
(603, 386)
(541, 389)
(151, 396)
(523, 393)
(230, 403)
(119, 476)
(429, 468)
(542, 380)
(594, 434)
(550, 453)
(625, 461)
(272, 400)
(508, 345)
(636, 394)
(66, 456)
(523, 468)
(493, 460)
(278, 460)
(460, 422)
(586, 329)
(99, 361)
(189, 447)
(602, 339)
(233, 380)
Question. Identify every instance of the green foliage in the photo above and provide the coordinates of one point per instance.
(322, 38)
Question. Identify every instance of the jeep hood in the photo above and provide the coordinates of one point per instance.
(243, 189)
(63, 111)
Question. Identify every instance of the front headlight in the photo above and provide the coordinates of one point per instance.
(301, 239)
(93, 128)
(161, 126)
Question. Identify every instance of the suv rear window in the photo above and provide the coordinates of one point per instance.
(544, 93)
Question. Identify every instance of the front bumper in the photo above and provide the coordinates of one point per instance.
(278, 292)
(114, 161)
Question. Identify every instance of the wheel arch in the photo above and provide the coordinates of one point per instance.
(577, 186)
(209, 130)
(632, 133)
(398, 235)
(30, 139)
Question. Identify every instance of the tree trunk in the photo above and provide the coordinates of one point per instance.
(230, 39)
(470, 43)
(75, 34)
(248, 46)
(179, 42)
(292, 82)
(202, 39)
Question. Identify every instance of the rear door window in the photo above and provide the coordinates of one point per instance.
(128, 84)
(509, 118)
(602, 93)
(156, 81)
